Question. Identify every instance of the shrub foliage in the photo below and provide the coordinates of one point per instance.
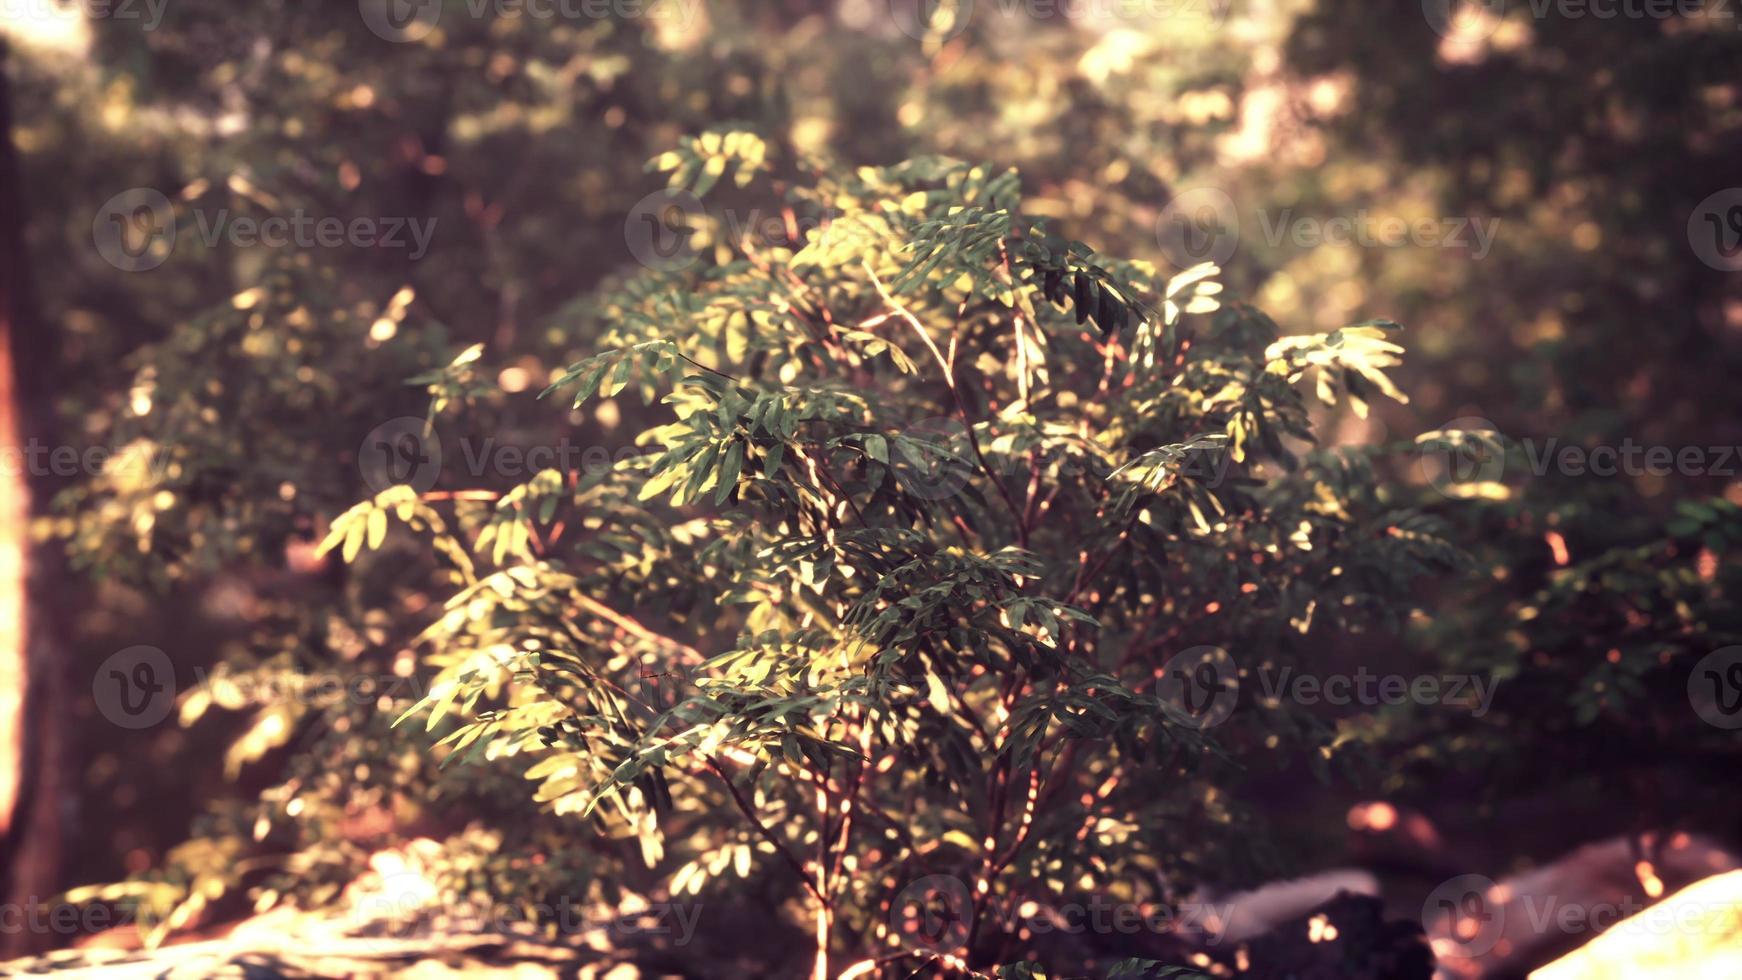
(893, 590)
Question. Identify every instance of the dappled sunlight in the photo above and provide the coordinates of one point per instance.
(60, 28)
(846, 488)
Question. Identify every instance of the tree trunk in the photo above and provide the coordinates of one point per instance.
(32, 662)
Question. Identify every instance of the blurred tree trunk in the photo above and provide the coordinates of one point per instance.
(32, 663)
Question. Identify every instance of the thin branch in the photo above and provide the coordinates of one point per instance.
(1085, 573)
(634, 628)
(710, 370)
(948, 365)
(762, 829)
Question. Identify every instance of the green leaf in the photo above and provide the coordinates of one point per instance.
(877, 448)
(729, 470)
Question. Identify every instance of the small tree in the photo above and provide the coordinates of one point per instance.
(927, 594)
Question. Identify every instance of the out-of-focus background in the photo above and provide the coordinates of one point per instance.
(1547, 196)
